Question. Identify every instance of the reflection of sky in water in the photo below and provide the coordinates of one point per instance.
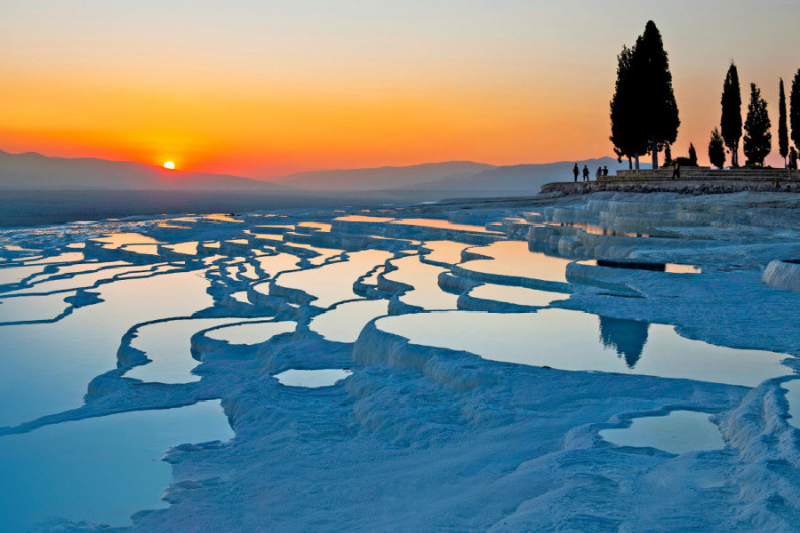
(679, 432)
(793, 397)
(168, 345)
(143, 249)
(251, 333)
(29, 308)
(363, 218)
(344, 322)
(87, 267)
(78, 281)
(312, 379)
(18, 273)
(516, 295)
(98, 469)
(116, 240)
(424, 278)
(318, 226)
(512, 258)
(240, 296)
(569, 340)
(188, 248)
(45, 368)
(440, 224)
(597, 229)
(68, 257)
(334, 282)
(448, 252)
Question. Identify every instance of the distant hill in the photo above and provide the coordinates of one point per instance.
(383, 178)
(32, 171)
(513, 180)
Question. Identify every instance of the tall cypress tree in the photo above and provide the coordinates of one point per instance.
(794, 110)
(716, 149)
(625, 122)
(657, 111)
(783, 131)
(757, 137)
(731, 122)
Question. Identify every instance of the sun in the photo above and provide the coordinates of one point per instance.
(170, 165)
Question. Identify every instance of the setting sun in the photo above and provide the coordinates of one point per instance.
(170, 165)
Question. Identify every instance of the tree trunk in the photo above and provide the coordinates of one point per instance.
(654, 149)
(637, 161)
(735, 155)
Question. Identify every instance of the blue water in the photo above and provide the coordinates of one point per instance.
(100, 469)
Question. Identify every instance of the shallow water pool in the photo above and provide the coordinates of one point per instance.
(572, 340)
(98, 469)
(678, 432)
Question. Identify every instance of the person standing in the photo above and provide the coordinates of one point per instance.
(585, 173)
(599, 174)
(676, 171)
(605, 171)
(575, 172)
(792, 159)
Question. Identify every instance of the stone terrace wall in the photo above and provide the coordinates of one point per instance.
(683, 186)
(705, 174)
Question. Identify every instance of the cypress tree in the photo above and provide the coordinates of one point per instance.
(794, 110)
(692, 156)
(624, 120)
(716, 149)
(783, 132)
(757, 137)
(657, 111)
(731, 122)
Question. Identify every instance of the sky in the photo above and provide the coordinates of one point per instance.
(265, 88)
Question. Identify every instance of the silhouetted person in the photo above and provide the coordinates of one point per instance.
(598, 174)
(676, 171)
(627, 337)
(792, 158)
(605, 171)
(585, 173)
(575, 172)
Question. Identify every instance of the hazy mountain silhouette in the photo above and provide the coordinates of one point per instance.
(382, 178)
(32, 171)
(516, 179)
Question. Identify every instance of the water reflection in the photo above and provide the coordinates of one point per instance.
(568, 340)
(99, 469)
(679, 432)
(514, 258)
(312, 379)
(627, 337)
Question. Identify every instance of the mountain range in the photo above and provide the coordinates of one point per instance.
(33, 171)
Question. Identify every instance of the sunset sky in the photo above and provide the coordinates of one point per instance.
(266, 88)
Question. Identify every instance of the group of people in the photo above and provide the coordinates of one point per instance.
(601, 172)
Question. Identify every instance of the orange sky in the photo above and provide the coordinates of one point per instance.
(268, 89)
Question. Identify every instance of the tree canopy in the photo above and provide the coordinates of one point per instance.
(624, 121)
(731, 121)
(644, 114)
(716, 149)
(757, 137)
